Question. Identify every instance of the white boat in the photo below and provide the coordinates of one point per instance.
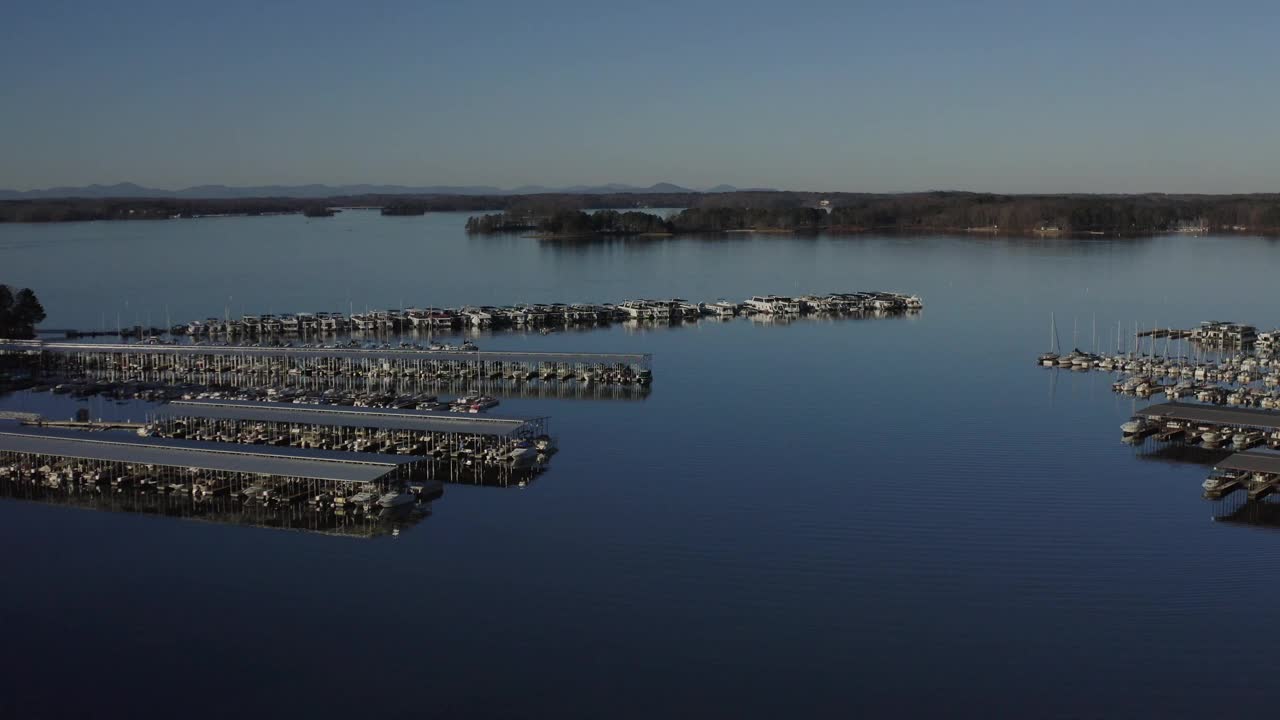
(362, 498)
(1247, 439)
(477, 317)
(1136, 426)
(723, 308)
(395, 499)
(522, 453)
(774, 305)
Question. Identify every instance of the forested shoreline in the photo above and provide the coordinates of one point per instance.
(568, 214)
(950, 212)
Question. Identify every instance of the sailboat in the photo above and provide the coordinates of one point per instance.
(1050, 358)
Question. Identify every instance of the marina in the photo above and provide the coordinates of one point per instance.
(662, 488)
(342, 338)
(1219, 363)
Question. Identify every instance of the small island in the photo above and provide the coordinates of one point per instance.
(403, 209)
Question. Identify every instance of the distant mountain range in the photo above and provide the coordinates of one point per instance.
(132, 190)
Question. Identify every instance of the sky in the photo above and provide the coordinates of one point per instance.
(987, 95)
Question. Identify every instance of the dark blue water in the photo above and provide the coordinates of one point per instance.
(880, 518)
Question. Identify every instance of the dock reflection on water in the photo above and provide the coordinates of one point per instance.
(226, 510)
(1237, 509)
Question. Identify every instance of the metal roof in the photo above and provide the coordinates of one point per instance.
(341, 416)
(1252, 461)
(1242, 417)
(396, 353)
(130, 448)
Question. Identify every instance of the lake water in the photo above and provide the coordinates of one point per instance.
(897, 517)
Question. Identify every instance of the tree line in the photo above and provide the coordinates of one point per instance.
(19, 313)
(559, 213)
(1108, 214)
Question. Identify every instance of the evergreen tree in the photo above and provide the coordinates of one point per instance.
(19, 314)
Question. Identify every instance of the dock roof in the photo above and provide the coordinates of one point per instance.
(342, 416)
(224, 457)
(1242, 417)
(1252, 461)
(354, 353)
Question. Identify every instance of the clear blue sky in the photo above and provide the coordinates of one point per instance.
(997, 95)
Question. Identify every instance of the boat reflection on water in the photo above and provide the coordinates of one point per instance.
(474, 473)
(374, 522)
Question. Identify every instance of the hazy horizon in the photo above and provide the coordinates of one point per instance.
(1121, 97)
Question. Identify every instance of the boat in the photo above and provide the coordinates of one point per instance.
(723, 308)
(363, 497)
(474, 403)
(1213, 483)
(1050, 358)
(1246, 439)
(395, 499)
(523, 451)
(1137, 426)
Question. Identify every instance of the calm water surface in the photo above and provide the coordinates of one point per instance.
(893, 517)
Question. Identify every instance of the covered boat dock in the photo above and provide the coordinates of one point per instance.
(1236, 417)
(1257, 471)
(334, 359)
(385, 430)
(112, 461)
